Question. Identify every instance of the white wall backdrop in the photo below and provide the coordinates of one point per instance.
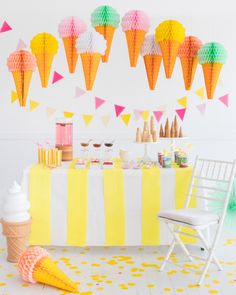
(213, 134)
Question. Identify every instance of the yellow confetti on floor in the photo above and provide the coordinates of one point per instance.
(179, 290)
(2, 284)
(213, 292)
(167, 289)
(150, 286)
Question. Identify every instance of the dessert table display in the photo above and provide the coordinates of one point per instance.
(102, 205)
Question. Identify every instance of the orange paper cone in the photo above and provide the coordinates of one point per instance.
(22, 81)
(108, 33)
(90, 62)
(44, 62)
(211, 73)
(189, 66)
(169, 49)
(152, 65)
(134, 41)
(71, 52)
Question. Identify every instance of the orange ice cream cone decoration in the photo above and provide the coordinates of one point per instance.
(22, 64)
(108, 33)
(135, 24)
(188, 57)
(169, 35)
(44, 46)
(90, 63)
(69, 30)
(35, 265)
(211, 73)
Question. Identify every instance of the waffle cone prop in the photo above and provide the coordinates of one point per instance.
(44, 46)
(69, 30)
(188, 57)
(17, 235)
(135, 24)
(35, 265)
(22, 64)
(211, 56)
(169, 35)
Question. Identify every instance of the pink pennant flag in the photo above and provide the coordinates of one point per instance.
(98, 102)
(56, 77)
(181, 113)
(118, 109)
(202, 108)
(5, 27)
(79, 92)
(225, 99)
(21, 45)
(158, 115)
(137, 114)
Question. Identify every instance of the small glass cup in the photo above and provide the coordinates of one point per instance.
(97, 149)
(84, 149)
(108, 152)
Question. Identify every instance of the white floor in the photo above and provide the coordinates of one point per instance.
(125, 270)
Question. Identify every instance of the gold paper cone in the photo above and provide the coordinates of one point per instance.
(90, 62)
(22, 81)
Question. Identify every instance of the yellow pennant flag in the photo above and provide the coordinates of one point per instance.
(183, 102)
(145, 115)
(87, 119)
(50, 112)
(200, 92)
(68, 114)
(14, 96)
(33, 105)
(126, 118)
(105, 120)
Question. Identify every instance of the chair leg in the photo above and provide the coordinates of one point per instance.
(206, 267)
(171, 247)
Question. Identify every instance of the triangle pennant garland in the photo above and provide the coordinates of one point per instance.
(33, 105)
(181, 113)
(118, 109)
(87, 119)
(137, 114)
(158, 115)
(126, 118)
(56, 77)
(21, 45)
(183, 102)
(5, 27)
(105, 120)
(98, 102)
(202, 108)
(68, 114)
(14, 96)
(224, 99)
(79, 92)
(200, 92)
(50, 112)
(145, 115)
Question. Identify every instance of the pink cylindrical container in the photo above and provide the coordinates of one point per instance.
(64, 138)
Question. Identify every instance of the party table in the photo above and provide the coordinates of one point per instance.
(102, 207)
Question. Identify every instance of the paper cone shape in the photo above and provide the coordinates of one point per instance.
(90, 62)
(22, 82)
(71, 52)
(211, 73)
(108, 33)
(44, 62)
(134, 41)
(152, 65)
(17, 235)
(189, 66)
(169, 50)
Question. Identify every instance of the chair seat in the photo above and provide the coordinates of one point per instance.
(191, 216)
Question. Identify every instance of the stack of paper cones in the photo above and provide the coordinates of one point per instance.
(71, 52)
(108, 33)
(90, 62)
(152, 65)
(134, 41)
(211, 73)
(169, 49)
(148, 134)
(17, 235)
(22, 82)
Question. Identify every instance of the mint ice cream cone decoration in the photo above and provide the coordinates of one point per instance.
(212, 56)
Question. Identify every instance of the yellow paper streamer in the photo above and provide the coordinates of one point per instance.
(40, 205)
(183, 178)
(77, 205)
(114, 201)
(150, 206)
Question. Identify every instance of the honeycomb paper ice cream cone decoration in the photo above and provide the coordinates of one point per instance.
(152, 59)
(211, 56)
(91, 46)
(21, 64)
(135, 24)
(35, 265)
(44, 46)
(69, 30)
(105, 20)
(167, 129)
(169, 35)
(188, 57)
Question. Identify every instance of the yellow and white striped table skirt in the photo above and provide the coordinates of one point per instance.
(102, 207)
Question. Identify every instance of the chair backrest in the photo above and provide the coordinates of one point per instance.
(212, 181)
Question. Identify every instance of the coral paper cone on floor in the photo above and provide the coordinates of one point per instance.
(35, 265)
(169, 49)
(211, 73)
(71, 52)
(90, 63)
(189, 66)
(152, 65)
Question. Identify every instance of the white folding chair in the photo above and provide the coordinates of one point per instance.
(209, 176)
